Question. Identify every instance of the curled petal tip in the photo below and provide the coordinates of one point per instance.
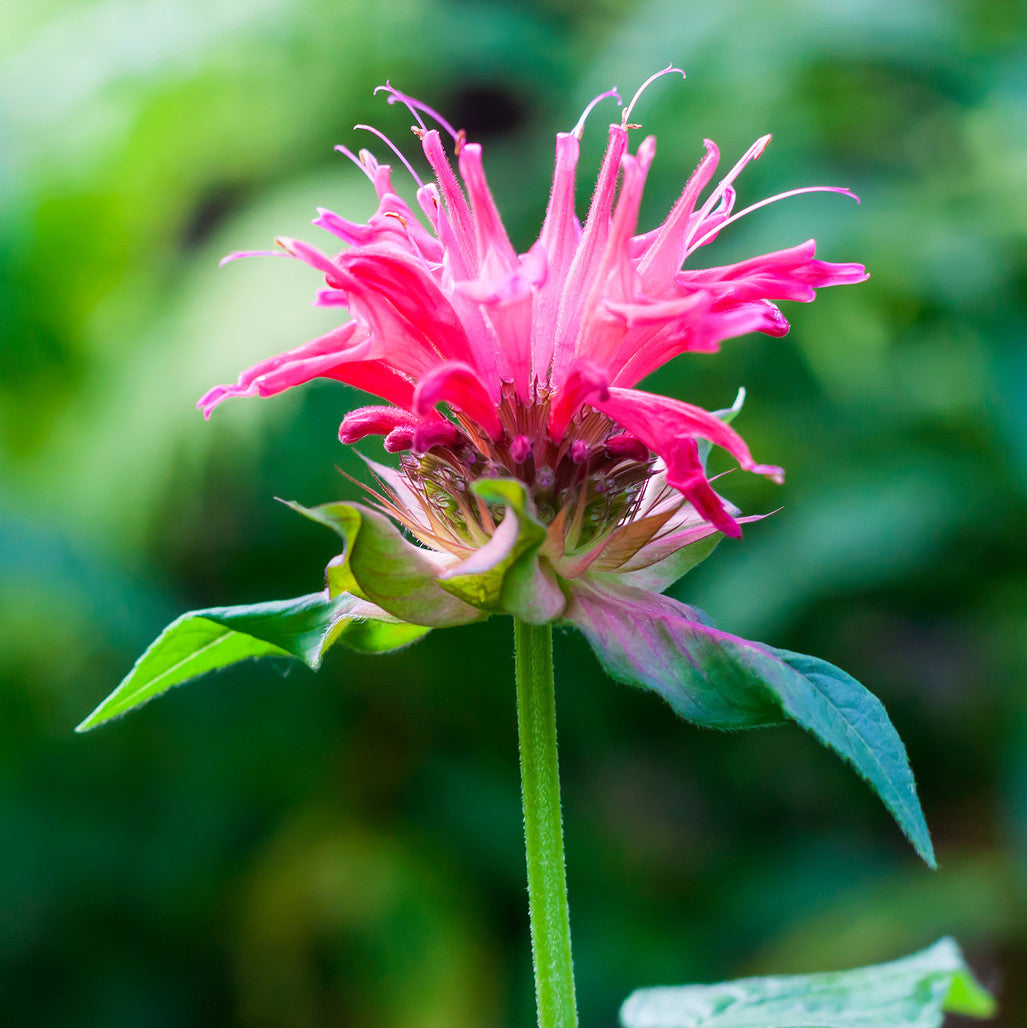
(771, 471)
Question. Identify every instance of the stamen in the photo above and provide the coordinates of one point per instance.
(763, 203)
(520, 449)
(413, 106)
(579, 129)
(395, 149)
(642, 88)
(239, 254)
(395, 95)
(356, 160)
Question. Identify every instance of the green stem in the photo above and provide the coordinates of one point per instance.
(543, 827)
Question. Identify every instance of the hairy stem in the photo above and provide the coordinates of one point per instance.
(543, 827)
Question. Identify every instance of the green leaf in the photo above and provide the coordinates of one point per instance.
(849, 719)
(914, 992)
(381, 566)
(727, 415)
(721, 681)
(207, 640)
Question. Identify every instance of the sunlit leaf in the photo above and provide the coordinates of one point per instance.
(208, 640)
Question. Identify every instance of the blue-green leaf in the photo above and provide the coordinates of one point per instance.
(727, 415)
(721, 681)
(914, 992)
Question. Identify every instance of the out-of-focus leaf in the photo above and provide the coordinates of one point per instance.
(914, 992)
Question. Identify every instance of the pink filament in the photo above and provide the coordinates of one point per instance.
(579, 129)
(396, 150)
(642, 88)
(764, 203)
(413, 106)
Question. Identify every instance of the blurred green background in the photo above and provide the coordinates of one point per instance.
(344, 849)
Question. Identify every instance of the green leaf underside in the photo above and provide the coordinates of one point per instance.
(380, 636)
(380, 565)
(208, 640)
(914, 992)
(720, 681)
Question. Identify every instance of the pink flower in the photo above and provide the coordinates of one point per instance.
(554, 489)
(537, 356)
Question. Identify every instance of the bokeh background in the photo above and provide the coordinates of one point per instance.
(266, 848)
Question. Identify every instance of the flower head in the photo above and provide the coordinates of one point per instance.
(536, 357)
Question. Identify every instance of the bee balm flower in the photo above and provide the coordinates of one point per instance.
(538, 356)
(535, 478)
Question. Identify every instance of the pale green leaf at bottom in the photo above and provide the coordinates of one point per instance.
(914, 992)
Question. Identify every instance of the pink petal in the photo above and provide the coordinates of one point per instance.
(590, 249)
(313, 256)
(378, 378)
(559, 238)
(285, 370)
(399, 439)
(491, 233)
(393, 223)
(461, 247)
(657, 420)
(615, 277)
(791, 274)
(413, 322)
(667, 252)
(586, 382)
(458, 385)
(434, 432)
(365, 421)
(752, 154)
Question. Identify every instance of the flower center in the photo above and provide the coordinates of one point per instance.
(589, 483)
